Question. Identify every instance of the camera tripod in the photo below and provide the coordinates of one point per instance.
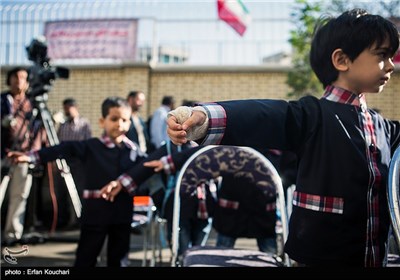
(41, 112)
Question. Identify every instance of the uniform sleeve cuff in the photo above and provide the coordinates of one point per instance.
(127, 183)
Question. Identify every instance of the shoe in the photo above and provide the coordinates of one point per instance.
(9, 242)
(33, 238)
(136, 230)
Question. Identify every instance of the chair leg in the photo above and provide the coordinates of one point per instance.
(145, 241)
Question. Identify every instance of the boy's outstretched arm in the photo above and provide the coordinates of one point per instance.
(157, 161)
(110, 191)
(19, 157)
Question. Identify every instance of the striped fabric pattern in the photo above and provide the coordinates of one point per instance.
(87, 194)
(168, 164)
(216, 123)
(375, 183)
(340, 95)
(202, 212)
(128, 183)
(372, 255)
(225, 203)
(75, 130)
(328, 204)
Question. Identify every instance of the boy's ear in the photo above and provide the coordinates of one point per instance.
(340, 60)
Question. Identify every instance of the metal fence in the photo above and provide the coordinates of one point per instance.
(186, 32)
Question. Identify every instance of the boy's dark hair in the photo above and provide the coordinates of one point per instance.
(13, 72)
(353, 32)
(133, 93)
(168, 100)
(70, 102)
(111, 102)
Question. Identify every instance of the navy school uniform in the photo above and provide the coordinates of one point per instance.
(103, 161)
(340, 213)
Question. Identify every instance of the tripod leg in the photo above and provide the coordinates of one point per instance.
(61, 163)
(69, 181)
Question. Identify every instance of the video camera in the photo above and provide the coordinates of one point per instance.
(42, 74)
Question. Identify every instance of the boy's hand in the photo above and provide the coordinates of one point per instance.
(110, 191)
(175, 131)
(184, 124)
(156, 164)
(18, 157)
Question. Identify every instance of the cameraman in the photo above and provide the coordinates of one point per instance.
(17, 133)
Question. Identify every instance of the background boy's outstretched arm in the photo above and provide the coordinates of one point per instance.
(18, 157)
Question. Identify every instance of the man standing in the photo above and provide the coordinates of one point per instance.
(158, 125)
(75, 128)
(17, 133)
(138, 131)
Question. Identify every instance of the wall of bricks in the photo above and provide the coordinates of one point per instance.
(90, 85)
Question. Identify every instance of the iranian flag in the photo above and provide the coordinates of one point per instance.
(234, 13)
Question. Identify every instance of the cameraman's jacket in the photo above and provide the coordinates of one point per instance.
(16, 133)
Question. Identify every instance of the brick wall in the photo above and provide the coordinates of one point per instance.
(90, 85)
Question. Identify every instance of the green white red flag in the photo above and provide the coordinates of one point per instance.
(234, 13)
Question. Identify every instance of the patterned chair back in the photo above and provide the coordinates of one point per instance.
(211, 162)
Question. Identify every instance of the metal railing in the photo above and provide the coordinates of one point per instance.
(196, 37)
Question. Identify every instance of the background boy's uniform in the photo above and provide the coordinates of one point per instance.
(245, 210)
(194, 230)
(103, 161)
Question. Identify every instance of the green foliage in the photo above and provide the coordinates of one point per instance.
(301, 78)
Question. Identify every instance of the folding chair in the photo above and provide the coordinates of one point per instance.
(143, 218)
(393, 189)
(211, 162)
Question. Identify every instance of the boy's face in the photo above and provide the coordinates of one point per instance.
(116, 123)
(370, 71)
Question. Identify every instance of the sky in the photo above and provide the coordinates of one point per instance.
(188, 25)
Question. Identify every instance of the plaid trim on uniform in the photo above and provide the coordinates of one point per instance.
(372, 255)
(87, 194)
(270, 206)
(202, 212)
(127, 183)
(216, 123)
(328, 204)
(33, 157)
(129, 143)
(375, 183)
(340, 95)
(225, 203)
(106, 140)
(168, 164)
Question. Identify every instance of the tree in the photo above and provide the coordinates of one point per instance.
(301, 78)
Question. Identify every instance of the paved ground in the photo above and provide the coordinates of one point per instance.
(59, 251)
(57, 254)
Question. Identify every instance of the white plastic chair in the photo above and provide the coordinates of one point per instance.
(212, 161)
